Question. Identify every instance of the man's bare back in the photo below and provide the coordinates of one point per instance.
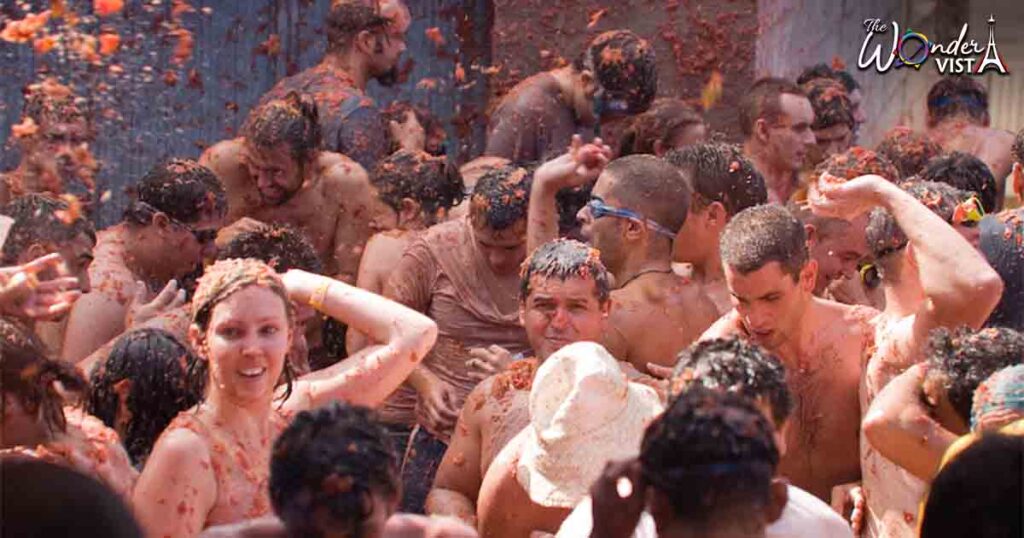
(655, 317)
(823, 371)
(334, 209)
(992, 146)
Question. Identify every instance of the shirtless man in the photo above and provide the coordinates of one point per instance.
(54, 136)
(958, 120)
(822, 344)
(932, 277)
(365, 39)
(276, 173)
(775, 118)
(637, 207)
(563, 299)
(724, 183)
(464, 274)
(616, 75)
(165, 234)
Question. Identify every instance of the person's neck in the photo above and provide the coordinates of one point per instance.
(349, 62)
(33, 434)
(709, 269)
(780, 180)
(137, 259)
(904, 298)
(634, 265)
(244, 420)
(567, 79)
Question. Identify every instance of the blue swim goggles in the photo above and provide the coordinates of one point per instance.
(600, 209)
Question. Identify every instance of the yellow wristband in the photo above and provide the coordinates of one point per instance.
(316, 300)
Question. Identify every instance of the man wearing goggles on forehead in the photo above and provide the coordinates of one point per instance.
(637, 206)
(615, 76)
(365, 41)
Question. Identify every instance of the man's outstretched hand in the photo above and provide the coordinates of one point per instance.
(580, 165)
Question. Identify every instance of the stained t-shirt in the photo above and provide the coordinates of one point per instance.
(532, 122)
(351, 122)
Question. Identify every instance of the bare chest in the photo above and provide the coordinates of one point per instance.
(242, 474)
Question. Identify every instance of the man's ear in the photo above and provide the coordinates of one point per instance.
(633, 230)
(160, 220)
(33, 251)
(761, 130)
(365, 42)
(777, 502)
(522, 313)
(409, 209)
(716, 215)
(659, 148)
(195, 339)
(809, 275)
(812, 235)
(587, 83)
(606, 308)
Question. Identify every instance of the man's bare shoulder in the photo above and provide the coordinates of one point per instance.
(726, 326)
(340, 171)
(224, 159)
(855, 317)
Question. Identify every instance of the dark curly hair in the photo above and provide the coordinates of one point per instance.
(738, 366)
(325, 468)
(31, 378)
(346, 18)
(434, 182)
(858, 161)
(830, 102)
(278, 245)
(180, 188)
(957, 96)
(908, 150)
(624, 66)
(661, 123)
(293, 120)
(967, 173)
(961, 359)
(148, 368)
(822, 70)
(38, 219)
(563, 259)
(500, 197)
(710, 453)
(763, 234)
(720, 173)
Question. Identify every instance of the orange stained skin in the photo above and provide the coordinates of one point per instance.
(823, 371)
(334, 208)
(505, 509)
(88, 446)
(495, 411)
(383, 251)
(992, 146)
(655, 317)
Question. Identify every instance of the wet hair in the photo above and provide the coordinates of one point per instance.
(957, 96)
(48, 102)
(720, 173)
(884, 235)
(764, 100)
(1001, 391)
(1018, 147)
(30, 377)
(623, 65)
(346, 18)
(967, 173)
(325, 468)
(278, 245)
(434, 182)
(960, 360)
(40, 219)
(1002, 243)
(858, 161)
(155, 365)
(738, 366)
(500, 197)
(763, 234)
(979, 493)
(293, 121)
(564, 259)
(830, 102)
(908, 150)
(47, 499)
(710, 453)
(182, 189)
(819, 71)
(652, 187)
(432, 126)
(661, 123)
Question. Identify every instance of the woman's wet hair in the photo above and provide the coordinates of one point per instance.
(293, 121)
(278, 245)
(961, 359)
(433, 182)
(326, 468)
(661, 123)
(711, 453)
(720, 173)
(957, 96)
(735, 365)
(908, 150)
(967, 173)
(38, 219)
(830, 102)
(30, 377)
(182, 189)
(500, 197)
(145, 374)
(564, 259)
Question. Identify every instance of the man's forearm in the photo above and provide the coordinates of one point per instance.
(542, 223)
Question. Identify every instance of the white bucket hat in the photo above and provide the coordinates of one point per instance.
(583, 413)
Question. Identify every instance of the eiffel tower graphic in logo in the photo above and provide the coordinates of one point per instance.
(992, 59)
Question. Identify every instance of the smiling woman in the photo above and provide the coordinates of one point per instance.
(210, 466)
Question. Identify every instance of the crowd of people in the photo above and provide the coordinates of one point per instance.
(611, 323)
